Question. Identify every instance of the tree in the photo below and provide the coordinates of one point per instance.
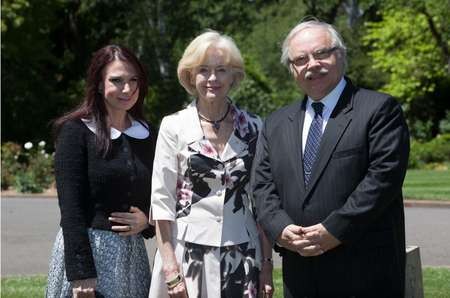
(29, 70)
(410, 45)
(47, 46)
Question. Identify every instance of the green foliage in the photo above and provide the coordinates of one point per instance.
(397, 46)
(29, 170)
(34, 84)
(11, 13)
(444, 124)
(435, 151)
(254, 93)
(253, 98)
(10, 166)
(263, 45)
(408, 43)
(26, 182)
(422, 130)
(403, 47)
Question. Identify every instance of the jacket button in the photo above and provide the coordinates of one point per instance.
(125, 149)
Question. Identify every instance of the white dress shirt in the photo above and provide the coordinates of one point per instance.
(329, 102)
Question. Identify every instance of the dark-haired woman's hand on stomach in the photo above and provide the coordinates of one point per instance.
(133, 222)
(84, 288)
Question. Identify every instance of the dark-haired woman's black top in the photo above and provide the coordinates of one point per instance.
(91, 187)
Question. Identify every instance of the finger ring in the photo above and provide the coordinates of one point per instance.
(129, 228)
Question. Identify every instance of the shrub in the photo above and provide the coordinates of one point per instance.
(29, 169)
(435, 151)
(10, 165)
(444, 124)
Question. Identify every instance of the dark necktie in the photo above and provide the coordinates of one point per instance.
(313, 141)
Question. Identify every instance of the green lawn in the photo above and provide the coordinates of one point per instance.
(24, 287)
(435, 280)
(427, 185)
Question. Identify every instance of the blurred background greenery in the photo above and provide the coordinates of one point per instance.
(395, 46)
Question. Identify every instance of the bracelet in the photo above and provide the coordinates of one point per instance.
(269, 260)
(174, 282)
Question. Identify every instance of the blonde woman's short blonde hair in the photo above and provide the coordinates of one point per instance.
(195, 55)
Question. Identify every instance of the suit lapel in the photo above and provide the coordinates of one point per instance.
(336, 126)
(294, 138)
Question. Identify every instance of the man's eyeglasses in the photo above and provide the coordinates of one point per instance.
(321, 54)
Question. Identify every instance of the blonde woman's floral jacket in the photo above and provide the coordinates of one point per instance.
(205, 194)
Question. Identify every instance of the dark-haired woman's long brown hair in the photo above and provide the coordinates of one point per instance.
(93, 106)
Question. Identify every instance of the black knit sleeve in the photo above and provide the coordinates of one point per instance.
(72, 185)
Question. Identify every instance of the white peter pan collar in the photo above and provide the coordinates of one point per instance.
(137, 130)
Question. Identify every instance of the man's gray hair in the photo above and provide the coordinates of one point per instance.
(336, 39)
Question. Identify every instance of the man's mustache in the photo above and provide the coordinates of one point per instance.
(309, 74)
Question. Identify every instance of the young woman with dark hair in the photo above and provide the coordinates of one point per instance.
(103, 165)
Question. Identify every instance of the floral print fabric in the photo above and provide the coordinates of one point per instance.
(207, 197)
(204, 193)
(238, 272)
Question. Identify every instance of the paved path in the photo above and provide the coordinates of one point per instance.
(29, 226)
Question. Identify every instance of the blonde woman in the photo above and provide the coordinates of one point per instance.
(209, 244)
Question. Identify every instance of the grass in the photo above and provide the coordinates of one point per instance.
(427, 185)
(24, 287)
(435, 281)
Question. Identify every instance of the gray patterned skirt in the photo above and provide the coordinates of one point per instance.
(121, 263)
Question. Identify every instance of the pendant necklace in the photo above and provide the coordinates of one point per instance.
(215, 123)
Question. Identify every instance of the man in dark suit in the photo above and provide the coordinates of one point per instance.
(328, 177)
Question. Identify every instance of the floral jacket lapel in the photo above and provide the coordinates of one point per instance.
(238, 142)
(240, 138)
(194, 136)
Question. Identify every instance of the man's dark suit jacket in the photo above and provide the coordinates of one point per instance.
(355, 191)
